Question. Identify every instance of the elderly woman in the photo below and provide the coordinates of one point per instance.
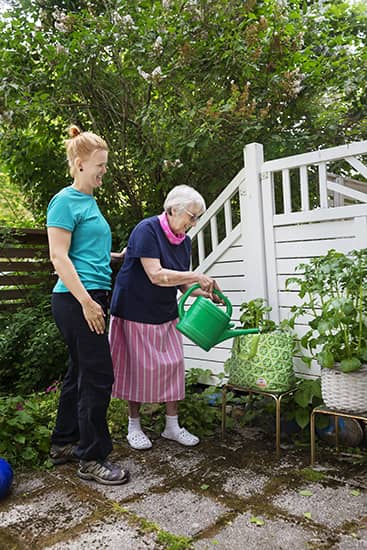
(146, 347)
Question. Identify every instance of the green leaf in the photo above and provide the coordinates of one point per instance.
(355, 492)
(204, 487)
(305, 493)
(307, 515)
(350, 365)
(326, 359)
(257, 521)
(323, 327)
(302, 417)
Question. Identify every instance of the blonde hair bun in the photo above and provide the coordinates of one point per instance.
(74, 131)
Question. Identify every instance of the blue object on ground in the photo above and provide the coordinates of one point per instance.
(6, 477)
(214, 398)
(350, 431)
(330, 428)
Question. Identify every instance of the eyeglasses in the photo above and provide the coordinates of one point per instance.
(194, 217)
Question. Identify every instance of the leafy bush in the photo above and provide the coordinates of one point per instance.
(117, 418)
(333, 292)
(25, 427)
(26, 423)
(299, 405)
(32, 351)
(196, 412)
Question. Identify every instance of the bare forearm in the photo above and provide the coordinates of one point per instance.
(161, 276)
(170, 277)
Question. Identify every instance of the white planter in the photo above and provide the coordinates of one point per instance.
(345, 391)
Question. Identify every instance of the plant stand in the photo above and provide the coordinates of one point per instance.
(331, 412)
(277, 396)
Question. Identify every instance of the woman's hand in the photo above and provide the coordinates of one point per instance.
(94, 315)
(119, 256)
(207, 285)
(217, 299)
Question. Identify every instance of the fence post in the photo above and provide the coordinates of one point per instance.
(252, 223)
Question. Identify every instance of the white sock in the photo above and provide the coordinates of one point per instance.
(134, 425)
(172, 424)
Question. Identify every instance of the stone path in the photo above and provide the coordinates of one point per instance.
(230, 494)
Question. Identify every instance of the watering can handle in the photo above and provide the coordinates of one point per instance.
(181, 310)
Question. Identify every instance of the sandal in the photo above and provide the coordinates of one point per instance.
(138, 440)
(182, 436)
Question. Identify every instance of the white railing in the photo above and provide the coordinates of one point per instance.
(304, 182)
(218, 226)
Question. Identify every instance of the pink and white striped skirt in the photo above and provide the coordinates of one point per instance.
(148, 361)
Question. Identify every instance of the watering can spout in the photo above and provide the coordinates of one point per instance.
(205, 323)
(232, 333)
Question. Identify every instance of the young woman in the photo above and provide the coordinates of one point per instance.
(80, 250)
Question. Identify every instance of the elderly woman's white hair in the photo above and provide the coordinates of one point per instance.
(183, 196)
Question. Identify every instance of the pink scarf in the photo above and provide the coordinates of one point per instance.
(173, 239)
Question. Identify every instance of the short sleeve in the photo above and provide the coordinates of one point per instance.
(144, 242)
(60, 213)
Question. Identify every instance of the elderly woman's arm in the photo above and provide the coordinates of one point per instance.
(59, 244)
(161, 276)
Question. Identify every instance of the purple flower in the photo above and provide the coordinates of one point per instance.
(53, 387)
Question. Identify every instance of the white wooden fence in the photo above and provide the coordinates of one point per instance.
(273, 216)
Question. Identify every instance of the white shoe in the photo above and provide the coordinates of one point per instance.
(182, 436)
(138, 440)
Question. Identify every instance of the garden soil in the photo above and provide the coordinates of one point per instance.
(229, 493)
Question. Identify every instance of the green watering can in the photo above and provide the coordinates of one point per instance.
(205, 324)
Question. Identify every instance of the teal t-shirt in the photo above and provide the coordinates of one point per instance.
(90, 247)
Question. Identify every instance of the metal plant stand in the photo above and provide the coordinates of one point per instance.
(277, 396)
(335, 414)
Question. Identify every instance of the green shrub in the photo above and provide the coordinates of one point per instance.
(26, 423)
(117, 418)
(299, 405)
(32, 351)
(25, 427)
(196, 413)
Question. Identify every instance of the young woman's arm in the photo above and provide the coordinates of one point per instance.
(59, 243)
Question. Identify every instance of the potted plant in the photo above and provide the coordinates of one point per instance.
(333, 291)
(261, 361)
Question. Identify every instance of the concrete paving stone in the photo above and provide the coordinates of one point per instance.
(141, 480)
(244, 483)
(272, 535)
(180, 512)
(237, 438)
(108, 535)
(29, 482)
(357, 542)
(183, 463)
(43, 515)
(328, 505)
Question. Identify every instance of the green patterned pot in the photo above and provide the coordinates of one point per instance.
(262, 361)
